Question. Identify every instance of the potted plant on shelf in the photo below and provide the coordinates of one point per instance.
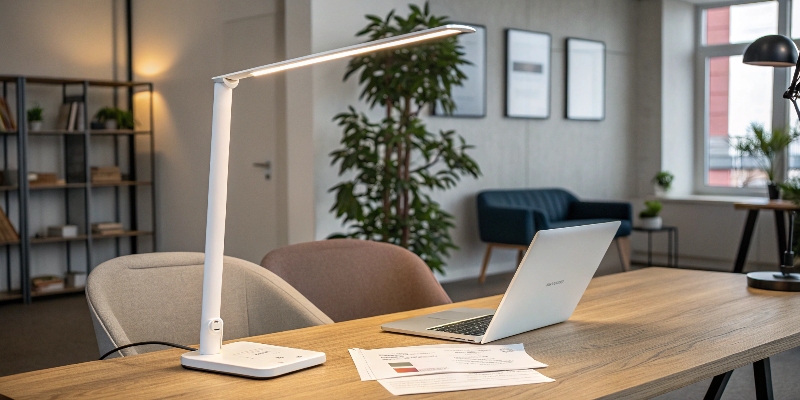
(649, 218)
(765, 147)
(663, 182)
(35, 118)
(114, 118)
(393, 165)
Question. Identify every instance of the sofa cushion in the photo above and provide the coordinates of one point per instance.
(624, 227)
(554, 203)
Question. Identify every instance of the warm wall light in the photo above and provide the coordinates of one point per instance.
(246, 358)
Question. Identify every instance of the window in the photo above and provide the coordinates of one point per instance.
(736, 95)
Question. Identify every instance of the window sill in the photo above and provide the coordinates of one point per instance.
(709, 200)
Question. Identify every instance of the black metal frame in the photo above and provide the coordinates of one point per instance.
(566, 79)
(549, 75)
(435, 109)
(23, 188)
(747, 235)
(672, 244)
(763, 380)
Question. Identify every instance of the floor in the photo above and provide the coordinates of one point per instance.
(58, 331)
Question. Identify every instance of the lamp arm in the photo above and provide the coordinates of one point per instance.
(211, 326)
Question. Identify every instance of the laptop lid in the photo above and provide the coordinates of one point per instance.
(551, 279)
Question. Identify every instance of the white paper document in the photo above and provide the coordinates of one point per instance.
(439, 359)
(461, 381)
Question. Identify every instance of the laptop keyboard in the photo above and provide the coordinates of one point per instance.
(472, 327)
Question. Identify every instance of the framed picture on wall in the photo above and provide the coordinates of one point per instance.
(586, 80)
(470, 97)
(527, 74)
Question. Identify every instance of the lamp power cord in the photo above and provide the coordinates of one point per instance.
(145, 343)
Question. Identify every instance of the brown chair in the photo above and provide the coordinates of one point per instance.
(350, 279)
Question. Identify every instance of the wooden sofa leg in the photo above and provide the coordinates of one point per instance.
(486, 259)
(624, 248)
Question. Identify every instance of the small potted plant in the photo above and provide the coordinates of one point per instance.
(649, 218)
(662, 182)
(35, 118)
(765, 147)
(108, 117)
(114, 118)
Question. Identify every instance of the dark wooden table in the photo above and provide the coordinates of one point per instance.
(779, 207)
(634, 335)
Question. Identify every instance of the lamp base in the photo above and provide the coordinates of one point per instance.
(253, 360)
(774, 281)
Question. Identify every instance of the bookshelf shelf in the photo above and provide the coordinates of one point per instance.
(79, 185)
(132, 200)
(17, 295)
(40, 240)
(102, 132)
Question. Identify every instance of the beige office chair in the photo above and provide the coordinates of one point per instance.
(349, 279)
(158, 296)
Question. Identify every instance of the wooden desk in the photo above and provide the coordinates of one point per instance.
(778, 206)
(634, 335)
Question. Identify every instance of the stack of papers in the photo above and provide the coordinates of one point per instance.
(447, 367)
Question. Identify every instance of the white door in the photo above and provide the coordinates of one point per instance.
(252, 228)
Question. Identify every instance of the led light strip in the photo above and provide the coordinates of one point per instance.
(353, 52)
(361, 48)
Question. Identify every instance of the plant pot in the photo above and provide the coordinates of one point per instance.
(110, 124)
(653, 223)
(773, 190)
(35, 126)
(659, 190)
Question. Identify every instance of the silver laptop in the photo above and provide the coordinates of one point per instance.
(545, 290)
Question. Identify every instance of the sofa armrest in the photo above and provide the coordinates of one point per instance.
(509, 225)
(591, 209)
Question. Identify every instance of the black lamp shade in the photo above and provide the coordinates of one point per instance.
(771, 51)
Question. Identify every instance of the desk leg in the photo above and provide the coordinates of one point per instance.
(649, 248)
(763, 375)
(780, 226)
(676, 247)
(744, 245)
(718, 386)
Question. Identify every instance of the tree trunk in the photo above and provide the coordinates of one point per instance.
(406, 161)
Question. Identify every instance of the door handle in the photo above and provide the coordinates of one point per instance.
(267, 165)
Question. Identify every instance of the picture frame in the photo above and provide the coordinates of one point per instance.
(585, 85)
(470, 98)
(528, 62)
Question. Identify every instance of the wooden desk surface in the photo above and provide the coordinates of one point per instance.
(634, 335)
(780, 205)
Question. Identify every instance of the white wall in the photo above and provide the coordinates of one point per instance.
(593, 159)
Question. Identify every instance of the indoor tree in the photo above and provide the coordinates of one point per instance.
(396, 163)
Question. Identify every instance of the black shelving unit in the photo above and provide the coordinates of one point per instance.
(17, 86)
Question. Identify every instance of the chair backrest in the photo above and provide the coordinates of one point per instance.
(554, 202)
(158, 296)
(349, 279)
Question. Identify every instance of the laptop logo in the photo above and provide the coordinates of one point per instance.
(555, 283)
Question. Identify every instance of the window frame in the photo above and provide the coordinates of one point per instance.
(780, 106)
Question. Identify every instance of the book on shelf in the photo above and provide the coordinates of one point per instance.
(7, 232)
(62, 231)
(72, 115)
(108, 228)
(75, 280)
(6, 117)
(106, 174)
(48, 283)
(43, 178)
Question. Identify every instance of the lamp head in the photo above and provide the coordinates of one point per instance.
(771, 51)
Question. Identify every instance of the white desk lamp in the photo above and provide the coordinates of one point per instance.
(246, 358)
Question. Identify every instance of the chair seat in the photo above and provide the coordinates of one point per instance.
(624, 227)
